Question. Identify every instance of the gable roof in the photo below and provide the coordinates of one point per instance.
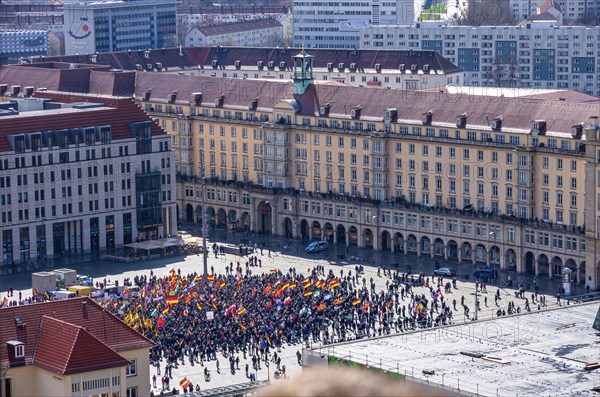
(67, 349)
(194, 57)
(550, 4)
(518, 113)
(544, 16)
(78, 312)
(245, 26)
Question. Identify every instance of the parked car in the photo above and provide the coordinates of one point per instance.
(84, 280)
(444, 271)
(317, 246)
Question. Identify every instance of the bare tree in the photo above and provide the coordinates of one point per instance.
(485, 12)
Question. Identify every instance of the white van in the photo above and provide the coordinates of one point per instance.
(62, 294)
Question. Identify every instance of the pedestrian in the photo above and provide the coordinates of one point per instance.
(154, 381)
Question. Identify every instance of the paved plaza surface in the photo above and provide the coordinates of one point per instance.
(540, 354)
(283, 254)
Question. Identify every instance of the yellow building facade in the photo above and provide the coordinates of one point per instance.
(508, 182)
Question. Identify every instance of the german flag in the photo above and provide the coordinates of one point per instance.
(138, 306)
(273, 271)
(185, 313)
(308, 293)
(199, 306)
(241, 311)
(267, 290)
(389, 304)
(338, 302)
(321, 307)
(333, 283)
(47, 296)
(277, 283)
(221, 284)
(189, 331)
(293, 285)
(198, 278)
(306, 280)
(165, 310)
(211, 277)
(356, 302)
(242, 326)
(365, 306)
(172, 300)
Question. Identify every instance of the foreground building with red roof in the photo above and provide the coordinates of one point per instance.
(79, 173)
(71, 347)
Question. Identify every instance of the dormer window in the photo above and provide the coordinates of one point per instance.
(577, 131)
(355, 112)
(401, 67)
(19, 351)
(427, 117)
(330, 66)
(215, 63)
(539, 126)
(281, 65)
(341, 66)
(238, 64)
(391, 115)
(324, 110)
(461, 121)
(378, 67)
(353, 66)
(17, 348)
(496, 124)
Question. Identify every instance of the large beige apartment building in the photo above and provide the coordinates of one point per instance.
(510, 182)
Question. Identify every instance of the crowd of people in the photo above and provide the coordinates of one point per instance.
(239, 314)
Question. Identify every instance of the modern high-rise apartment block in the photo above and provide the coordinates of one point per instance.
(534, 54)
(329, 24)
(79, 174)
(93, 26)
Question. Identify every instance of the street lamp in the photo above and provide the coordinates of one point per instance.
(493, 234)
(204, 225)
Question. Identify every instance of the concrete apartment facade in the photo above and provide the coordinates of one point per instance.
(327, 24)
(254, 33)
(457, 177)
(535, 54)
(91, 26)
(80, 174)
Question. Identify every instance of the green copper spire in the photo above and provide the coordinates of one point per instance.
(303, 72)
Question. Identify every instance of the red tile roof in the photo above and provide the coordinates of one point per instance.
(120, 113)
(101, 324)
(67, 349)
(244, 26)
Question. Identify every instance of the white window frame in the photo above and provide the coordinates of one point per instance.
(131, 369)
